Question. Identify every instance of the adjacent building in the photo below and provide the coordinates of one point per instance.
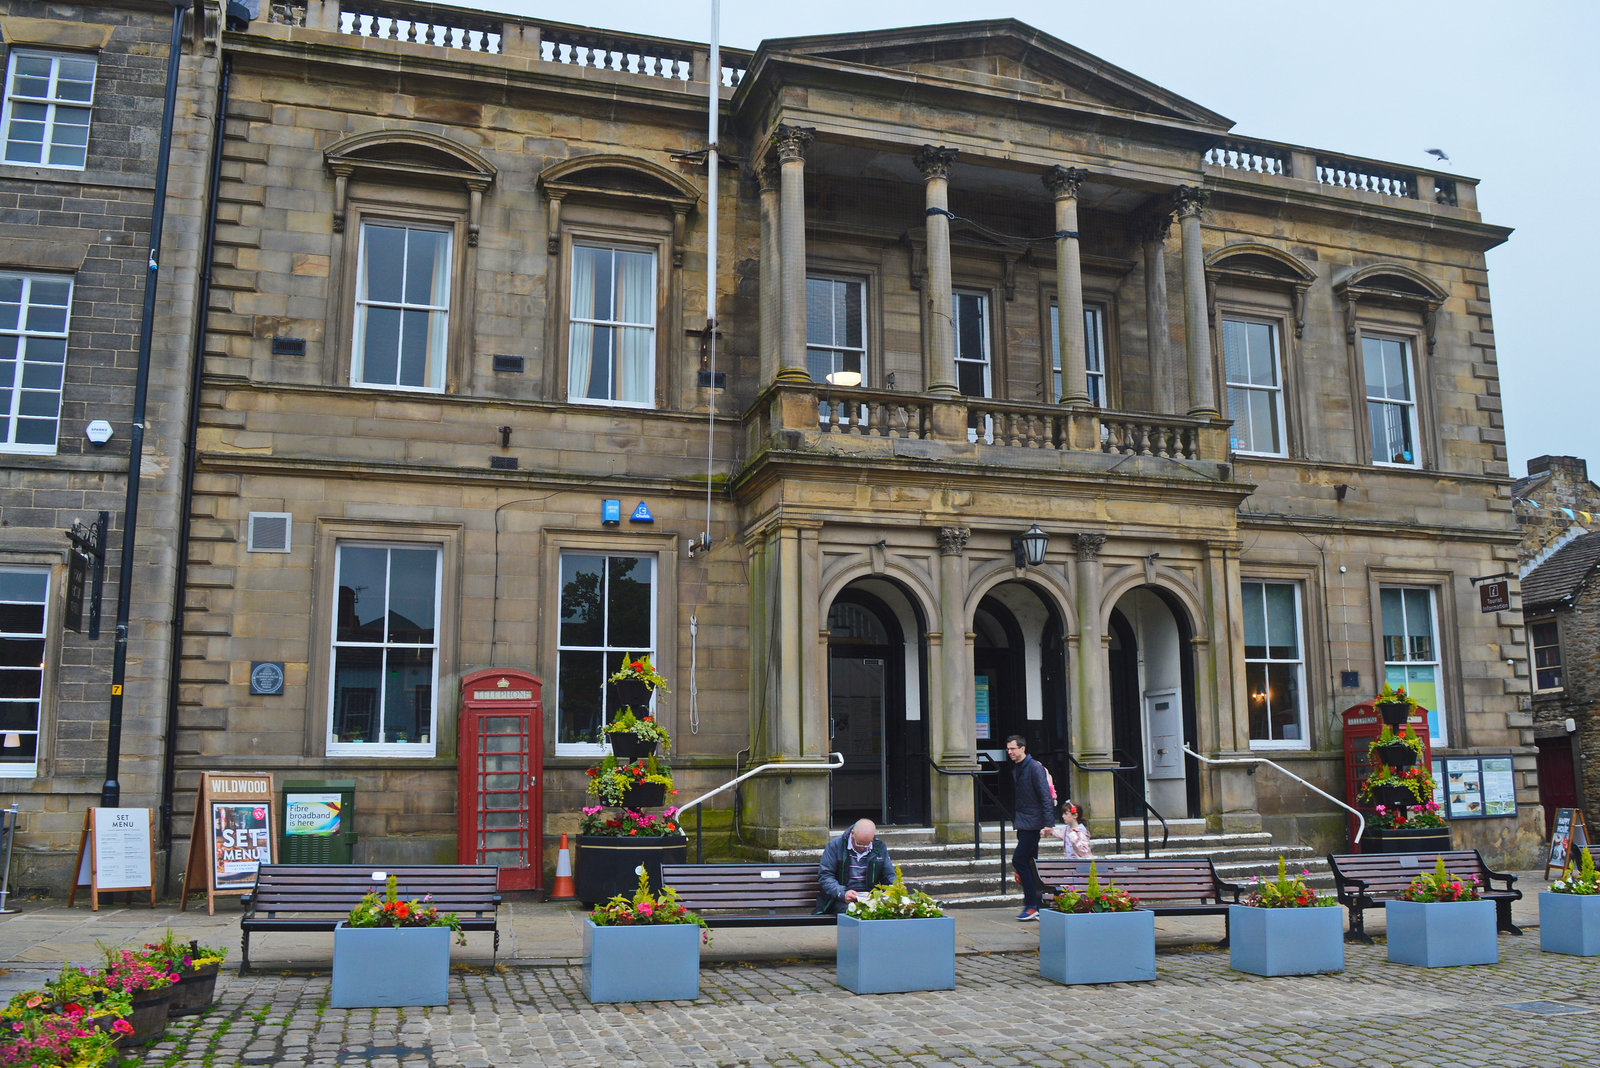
(1035, 402)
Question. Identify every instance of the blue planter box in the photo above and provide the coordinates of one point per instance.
(380, 967)
(1097, 947)
(1285, 941)
(893, 956)
(656, 962)
(1442, 934)
(1569, 923)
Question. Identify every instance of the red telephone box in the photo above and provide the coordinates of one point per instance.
(1362, 726)
(499, 803)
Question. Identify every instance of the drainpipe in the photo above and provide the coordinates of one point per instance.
(111, 789)
(185, 524)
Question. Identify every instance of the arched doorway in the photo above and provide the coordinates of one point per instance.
(1150, 668)
(1019, 680)
(877, 694)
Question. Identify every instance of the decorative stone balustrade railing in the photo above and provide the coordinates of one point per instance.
(552, 42)
(794, 414)
(1342, 172)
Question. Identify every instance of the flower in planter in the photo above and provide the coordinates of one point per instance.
(390, 911)
(645, 908)
(133, 970)
(632, 823)
(1396, 817)
(1440, 885)
(1582, 881)
(186, 957)
(644, 728)
(611, 780)
(1406, 737)
(1286, 892)
(1095, 897)
(639, 669)
(48, 1041)
(896, 901)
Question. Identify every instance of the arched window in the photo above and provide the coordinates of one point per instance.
(1391, 312)
(1255, 291)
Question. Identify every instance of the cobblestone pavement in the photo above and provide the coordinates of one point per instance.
(1197, 1012)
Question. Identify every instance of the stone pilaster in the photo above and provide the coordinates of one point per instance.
(770, 297)
(1091, 709)
(952, 730)
(1169, 381)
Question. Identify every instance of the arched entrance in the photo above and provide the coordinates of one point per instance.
(877, 694)
(1150, 668)
(1019, 679)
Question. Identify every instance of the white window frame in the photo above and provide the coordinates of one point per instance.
(618, 324)
(437, 360)
(51, 103)
(610, 656)
(984, 360)
(1094, 352)
(1298, 663)
(1281, 446)
(1406, 405)
(1535, 647)
(834, 354)
(1397, 672)
(11, 392)
(17, 770)
(417, 749)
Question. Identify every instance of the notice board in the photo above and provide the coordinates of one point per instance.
(116, 852)
(231, 835)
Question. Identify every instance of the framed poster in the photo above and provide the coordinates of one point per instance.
(1499, 787)
(241, 841)
(1471, 788)
(312, 814)
(231, 835)
(1463, 787)
(116, 852)
(1567, 835)
(980, 700)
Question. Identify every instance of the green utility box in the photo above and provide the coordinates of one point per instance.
(318, 822)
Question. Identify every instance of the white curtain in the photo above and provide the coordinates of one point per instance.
(580, 343)
(439, 296)
(636, 303)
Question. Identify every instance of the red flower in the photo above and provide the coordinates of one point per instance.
(637, 665)
(122, 1027)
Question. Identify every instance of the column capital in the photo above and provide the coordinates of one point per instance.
(1088, 545)
(953, 540)
(1064, 181)
(766, 173)
(791, 141)
(1190, 200)
(1154, 229)
(934, 161)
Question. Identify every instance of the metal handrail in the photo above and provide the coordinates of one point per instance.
(1361, 821)
(835, 762)
(977, 820)
(1149, 809)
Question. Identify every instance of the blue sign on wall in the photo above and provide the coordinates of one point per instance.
(641, 514)
(610, 512)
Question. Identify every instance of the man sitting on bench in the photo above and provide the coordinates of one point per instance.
(851, 866)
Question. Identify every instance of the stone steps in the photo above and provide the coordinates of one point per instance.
(948, 871)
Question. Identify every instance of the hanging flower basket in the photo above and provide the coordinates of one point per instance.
(1394, 713)
(1393, 795)
(1398, 755)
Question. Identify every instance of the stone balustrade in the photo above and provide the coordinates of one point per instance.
(455, 29)
(1334, 171)
(797, 414)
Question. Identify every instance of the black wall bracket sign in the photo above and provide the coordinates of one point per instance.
(88, 545)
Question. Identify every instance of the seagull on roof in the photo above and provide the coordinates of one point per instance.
(1439, 153)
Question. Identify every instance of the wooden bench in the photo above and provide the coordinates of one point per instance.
(1371, 880)
(1169, 886)
(749, 895)
(318, 897)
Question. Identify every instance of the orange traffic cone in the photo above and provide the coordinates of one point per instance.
(563, 890)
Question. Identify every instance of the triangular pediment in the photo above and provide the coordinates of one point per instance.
(1007, 56)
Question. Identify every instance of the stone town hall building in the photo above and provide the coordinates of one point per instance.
(971, 280)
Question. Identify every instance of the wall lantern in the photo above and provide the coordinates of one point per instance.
(1030, 546)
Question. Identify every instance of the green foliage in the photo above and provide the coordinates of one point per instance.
(390, 911)
(894, 902)
(645, 908)
(643, 727)
(1440, 885)
(1096, 897)
(1582, 881)
(1287, 892)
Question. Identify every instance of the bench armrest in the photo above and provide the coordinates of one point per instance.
(247, 900)
(1490, 875)
(1223, 886)
(496, 900)
(1342, 884)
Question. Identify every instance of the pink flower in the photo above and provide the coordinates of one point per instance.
(122, 1027)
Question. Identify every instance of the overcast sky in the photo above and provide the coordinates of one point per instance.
(1508, 90)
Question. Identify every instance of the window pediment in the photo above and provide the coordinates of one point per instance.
(624, 182)
(408, 158)
(1256, 264)
(1394, 284)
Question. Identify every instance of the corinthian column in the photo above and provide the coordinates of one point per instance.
(1170, 387)
(770, 298)
(939, 353)
(1063, 183)
(1190, 201)
(790, 143)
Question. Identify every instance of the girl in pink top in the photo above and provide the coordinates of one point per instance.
(1074, 835)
